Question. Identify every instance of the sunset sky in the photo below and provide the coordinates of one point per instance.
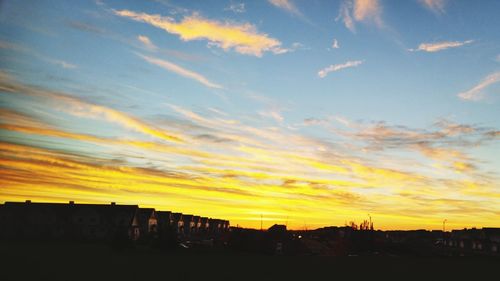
(310, 113)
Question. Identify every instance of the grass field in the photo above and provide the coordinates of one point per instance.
(99, 262)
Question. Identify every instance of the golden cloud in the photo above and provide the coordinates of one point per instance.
(243, 38)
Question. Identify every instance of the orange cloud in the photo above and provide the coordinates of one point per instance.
(243, 38)
(223, 167)
(352, 11)
(78, 107)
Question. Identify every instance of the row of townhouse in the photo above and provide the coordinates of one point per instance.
(29, 220)
(474, 241)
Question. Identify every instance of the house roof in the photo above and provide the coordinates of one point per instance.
(277, 228)
(177, 216)
(144, 214)
(58, 213)
(187, 217)
(164, 216)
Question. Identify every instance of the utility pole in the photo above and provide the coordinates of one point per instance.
(444, 225)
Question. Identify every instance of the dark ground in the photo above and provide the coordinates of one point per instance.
(98, 262)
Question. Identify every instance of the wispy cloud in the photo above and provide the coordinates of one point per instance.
(436, 6)
(440, 46)
(476, 93)
(335, 44)
(243, 38)
(352, 11)
(295, 46)
(336, 67)
(273, 114)
(19, 48)
(61, 63)
(180, 70)
(147, 42)
(236, 8)
(81, 108)
(82, 26)
(228, 164)
(286, 5)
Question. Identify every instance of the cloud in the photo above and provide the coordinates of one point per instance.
(227, 165)
(286, 5)
(61, 63)
(295, 46)
(336, 67)
(22, 49)
(147, 42)
(436, 6)
(81, 108)
(493, 134)
(352, 11)
(180, 70)
(345, 15)
(335, 44)
(439, 46)
(85, 27)
(367, 10)
(243, 38)
(450, 128)
(273, 114)
(236, 8)
(311, 121)
(476, 93)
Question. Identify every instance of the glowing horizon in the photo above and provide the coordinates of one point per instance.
(307, 115)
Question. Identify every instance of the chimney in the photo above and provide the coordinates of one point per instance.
(113, 203)
(28, 201)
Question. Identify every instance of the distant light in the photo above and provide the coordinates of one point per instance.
(300, 236)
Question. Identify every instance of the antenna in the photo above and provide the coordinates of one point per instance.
(286, 224)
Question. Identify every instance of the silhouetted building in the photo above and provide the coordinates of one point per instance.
(69, 221)
(215, 226)
(178, 223)
(164, 220)
(196, 224)
(474, 241)
(204, 225)
(188, 224)
(148, 222)
(101, 222)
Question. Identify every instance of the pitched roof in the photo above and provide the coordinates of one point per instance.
(177, 216)
(144, 214)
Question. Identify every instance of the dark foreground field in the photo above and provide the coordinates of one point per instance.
(98, 262)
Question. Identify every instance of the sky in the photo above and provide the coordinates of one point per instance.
(304, 113)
